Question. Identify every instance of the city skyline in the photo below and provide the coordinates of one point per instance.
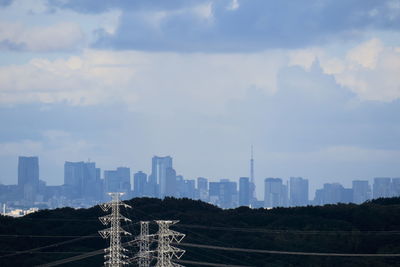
(81, 180)
(313, 85)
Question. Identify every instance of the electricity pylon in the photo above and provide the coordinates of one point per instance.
(144, 245)
(115, 253)
(165, 251)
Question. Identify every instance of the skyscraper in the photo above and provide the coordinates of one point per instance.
(381, 187)
(189, 189)
(28, 170)
(82, 180)
(298, 191)
(170, 187)
(361, 191)
(275, 194)
(157, 179)
(28, 177)
(333, 193)
(244, 191)
(213, 193)
(228, 194)
(202, 187)
(118, 180)
(139, 184)
(395, 187)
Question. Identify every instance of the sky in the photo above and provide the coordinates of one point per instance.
(313, 85)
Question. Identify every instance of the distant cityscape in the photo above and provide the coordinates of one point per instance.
(84, 187)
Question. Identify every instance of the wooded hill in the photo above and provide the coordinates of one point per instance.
(373, 227)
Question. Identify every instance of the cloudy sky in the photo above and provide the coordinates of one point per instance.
(314, 85)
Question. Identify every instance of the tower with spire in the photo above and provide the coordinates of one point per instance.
(252, 182)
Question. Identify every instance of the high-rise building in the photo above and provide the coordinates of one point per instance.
(228, 196)
(28, 177)
(202, 188)
(333, 193)
(381, 187)
(244, 191)
(347, 195)
(73, 178)
(395, 187)
(118, 180)
(298, 188)
(139, 184)
(213, 193)
(180, 186)
(82, 180)
(158, 177)
(189, 190)
(361, 191)
(275, 194)
(170, 185)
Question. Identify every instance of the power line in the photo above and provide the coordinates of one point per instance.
(288, 252)
(75, 258)
(47, 246)
(46, 252)
(208, 263)
(289, 231)
(48, 236)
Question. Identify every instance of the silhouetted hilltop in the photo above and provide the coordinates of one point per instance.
(373, 227)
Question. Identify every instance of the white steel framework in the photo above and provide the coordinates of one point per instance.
(144, 245)
(165, 251)
(115, 256)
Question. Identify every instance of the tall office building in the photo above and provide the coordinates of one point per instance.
(202, 188)
(170, 185)
(333, 193)
(227, 194)
(298, 191)
(180, 186)
(118, 180)
(90, 179)
(28, 177)
(395, 187)
(244, 191)
(381, 187)
(275, 194)
(139, 184)
(82, 180)
(189, 190)
(73, 179)
(213, 193)
(361, 191)
(158, 178)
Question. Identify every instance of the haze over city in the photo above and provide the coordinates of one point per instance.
(313, 85)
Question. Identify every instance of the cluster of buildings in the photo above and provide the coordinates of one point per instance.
(85, 186)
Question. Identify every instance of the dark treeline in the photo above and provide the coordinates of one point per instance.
(373, 227)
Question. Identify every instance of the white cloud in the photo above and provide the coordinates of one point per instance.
(141, 79)
(204, 11)
(304, 57)
(365, 55)
(61, 36)
(376, 73)
(370, 69)
(233, 5)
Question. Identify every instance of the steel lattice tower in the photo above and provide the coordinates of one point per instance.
(252, 182)
(144, 245)
(165, 251)
(115, 253)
